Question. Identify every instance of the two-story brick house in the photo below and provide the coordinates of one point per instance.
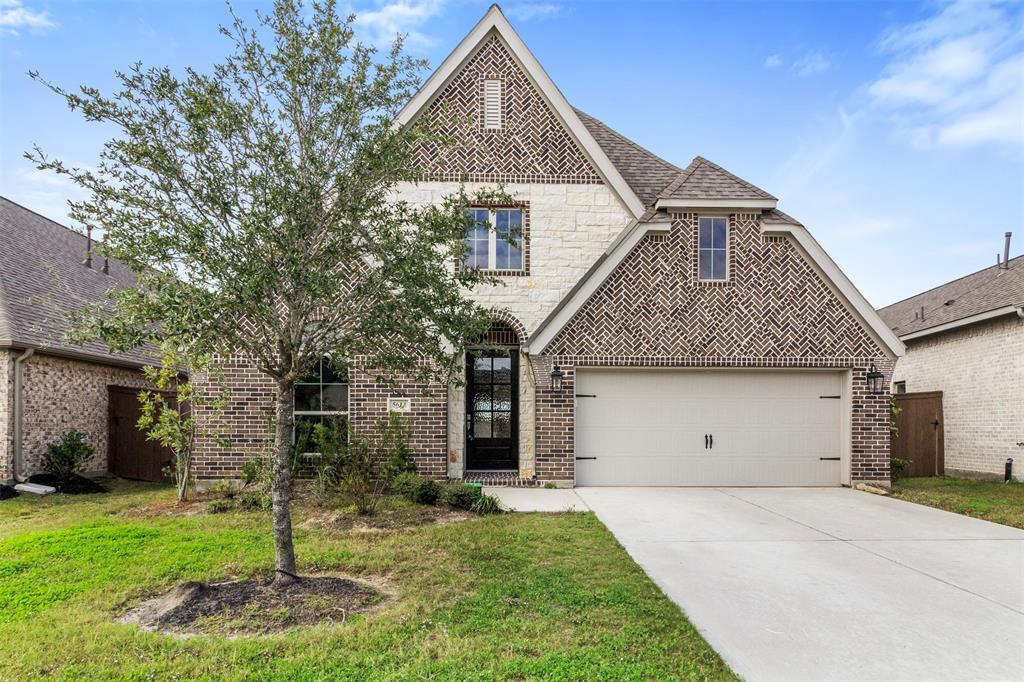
(663, 325)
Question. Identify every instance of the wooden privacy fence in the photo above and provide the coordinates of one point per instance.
(920, 438)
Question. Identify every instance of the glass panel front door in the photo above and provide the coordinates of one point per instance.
(492, 410)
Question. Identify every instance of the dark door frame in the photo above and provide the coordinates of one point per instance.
(495, 454)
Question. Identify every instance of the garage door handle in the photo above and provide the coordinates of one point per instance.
(579, 458)
(705, 441)
(712, 439)
(829, 459)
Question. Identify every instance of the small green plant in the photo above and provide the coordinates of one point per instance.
(549, 486)
(897, 467)
(253, 501)
(486, 504)
(226, 489)
(393, 439)
(63, 458)
(417, 489)
(461, 496)
(894, 411)
(220, 506)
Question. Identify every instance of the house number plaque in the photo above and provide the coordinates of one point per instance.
(396, 404)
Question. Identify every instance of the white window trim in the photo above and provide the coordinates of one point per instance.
(492, 238)
(319, 413)
(728, 249)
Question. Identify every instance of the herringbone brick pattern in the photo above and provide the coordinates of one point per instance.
(774, 305)
(531, 146)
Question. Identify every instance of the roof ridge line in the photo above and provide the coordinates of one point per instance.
(939, 286)
(735, 177)
(682, 177)
(631, 143)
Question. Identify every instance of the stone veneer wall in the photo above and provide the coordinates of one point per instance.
(60, 395)
(980, 371)
(774, 311)
(6, 413)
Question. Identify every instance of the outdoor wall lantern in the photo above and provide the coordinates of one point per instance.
(556, 378)
(875, 379)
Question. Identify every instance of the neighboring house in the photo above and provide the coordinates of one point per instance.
(48, 386)
(966, 339)
(662, 325)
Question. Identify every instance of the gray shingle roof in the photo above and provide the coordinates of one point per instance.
(645, 173)
(976, 293)
(42, 281)
(703, 179)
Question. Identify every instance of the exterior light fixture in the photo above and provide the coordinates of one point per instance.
(556, 378)
(875, 379)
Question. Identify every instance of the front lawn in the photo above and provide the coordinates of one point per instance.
(517, 596)
(990, 500)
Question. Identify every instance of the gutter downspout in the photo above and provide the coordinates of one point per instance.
(1020, 311)
(18, 412)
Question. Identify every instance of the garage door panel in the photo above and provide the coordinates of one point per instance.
(648, 427)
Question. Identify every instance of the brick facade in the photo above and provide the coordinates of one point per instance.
(530, 147)
(980, 371)
(247, 424)
(774, 311)
(59, 395)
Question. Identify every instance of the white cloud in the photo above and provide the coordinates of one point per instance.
(811, 63)
(772, 61)
(14, 15)
(404, 17)
(956, 78)
(527, 11)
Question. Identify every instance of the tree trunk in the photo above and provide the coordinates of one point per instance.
(284, 549)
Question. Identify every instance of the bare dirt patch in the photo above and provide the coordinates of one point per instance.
(250, 607)
(394, 519)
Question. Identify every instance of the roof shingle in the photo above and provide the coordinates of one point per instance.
(43, 281)
(976, 293)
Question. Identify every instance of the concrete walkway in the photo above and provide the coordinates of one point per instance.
(538, 499)
(830, 583)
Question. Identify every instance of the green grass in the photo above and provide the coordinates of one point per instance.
(990, 500)
(518, 596)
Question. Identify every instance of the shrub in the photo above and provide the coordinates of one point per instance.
(63, 458)
(897, 465)
(353, 468)
(394, 436)
(461, 496)
(486, 504)
(417, 489)
(226, 488)
(220, 506)
(254, 501)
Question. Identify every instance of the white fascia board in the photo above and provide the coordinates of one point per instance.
(759, 204)
(494, 20)
(840, 284)
(592, 281)
(965, 321)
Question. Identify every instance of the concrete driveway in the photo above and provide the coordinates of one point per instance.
(830, 583)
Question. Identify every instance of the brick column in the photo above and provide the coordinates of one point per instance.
(555, 420)
(869, 435)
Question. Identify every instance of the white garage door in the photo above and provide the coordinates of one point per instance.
(750, 428)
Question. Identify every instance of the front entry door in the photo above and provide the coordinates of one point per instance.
(492, 410)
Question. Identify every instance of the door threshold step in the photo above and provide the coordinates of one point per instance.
(499, 479)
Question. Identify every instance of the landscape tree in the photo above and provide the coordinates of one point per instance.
(257, 203)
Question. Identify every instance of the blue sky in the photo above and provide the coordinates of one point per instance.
(895, 132)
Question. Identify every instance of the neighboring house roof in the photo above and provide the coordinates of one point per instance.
(987, 293)
(43, 281)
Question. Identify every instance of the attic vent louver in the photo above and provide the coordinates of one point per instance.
(492, 104)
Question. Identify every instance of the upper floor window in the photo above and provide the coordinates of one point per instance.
(321, 397)
(901, 386)
(713, 248)
(500, 248)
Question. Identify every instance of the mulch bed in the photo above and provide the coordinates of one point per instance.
(7, 492)
(248, 607)
(75, 485)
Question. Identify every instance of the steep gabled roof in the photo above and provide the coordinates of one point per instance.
(43, 281)
(645, 172)
(989, 290)
(703, 179)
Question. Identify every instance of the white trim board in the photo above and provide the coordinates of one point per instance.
(759, 204)
(495, 21)
(826, 268)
